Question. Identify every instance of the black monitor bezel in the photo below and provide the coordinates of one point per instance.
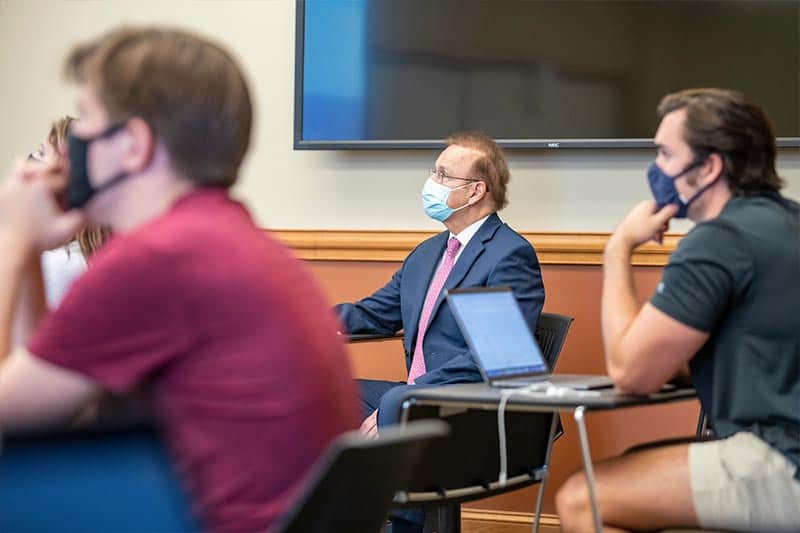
(438, 144)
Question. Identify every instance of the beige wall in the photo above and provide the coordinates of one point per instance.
(587, 190)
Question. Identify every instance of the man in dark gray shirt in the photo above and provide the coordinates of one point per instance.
(726, 307)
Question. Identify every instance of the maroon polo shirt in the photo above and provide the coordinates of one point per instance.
(249, 379)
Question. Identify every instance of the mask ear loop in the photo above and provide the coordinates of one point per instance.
(486, 191)
(457, 188)
(698, 162)
(693, 165)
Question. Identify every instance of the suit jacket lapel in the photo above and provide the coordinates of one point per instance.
(468, 257)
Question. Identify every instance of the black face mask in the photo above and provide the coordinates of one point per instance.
(79, 188)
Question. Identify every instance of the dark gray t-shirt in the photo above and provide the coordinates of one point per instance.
(737, 277)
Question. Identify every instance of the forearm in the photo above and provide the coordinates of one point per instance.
(31, 302)
(12, 271)
(619, 306)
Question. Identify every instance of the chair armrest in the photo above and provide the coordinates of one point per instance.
(371, 337)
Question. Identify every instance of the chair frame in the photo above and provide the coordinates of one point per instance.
(398, 449)
(443, 509)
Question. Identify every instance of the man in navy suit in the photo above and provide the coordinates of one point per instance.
(465, 190)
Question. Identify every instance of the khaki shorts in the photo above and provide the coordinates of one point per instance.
(742, 484)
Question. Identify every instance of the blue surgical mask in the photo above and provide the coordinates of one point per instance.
(434, 200)
(663, 187)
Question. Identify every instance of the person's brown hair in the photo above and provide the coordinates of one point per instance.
(92, 237)
(57, 136)
(729, 124)
(491, 167)
(187, 89)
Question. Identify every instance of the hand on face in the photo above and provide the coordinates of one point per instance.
(645, 222)
(29, 211)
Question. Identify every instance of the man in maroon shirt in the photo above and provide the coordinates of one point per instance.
(249, 380)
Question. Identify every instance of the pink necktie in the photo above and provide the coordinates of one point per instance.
(418, 361)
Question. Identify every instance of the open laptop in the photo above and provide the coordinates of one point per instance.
(501, 342)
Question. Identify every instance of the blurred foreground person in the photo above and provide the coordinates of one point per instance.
(228, 331)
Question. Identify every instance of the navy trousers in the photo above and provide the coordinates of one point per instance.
(386, 397)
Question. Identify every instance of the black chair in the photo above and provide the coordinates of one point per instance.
(441, 490)
(551, 333)
(351, 487)
(465, 466)
(704, 429)
(703, 433)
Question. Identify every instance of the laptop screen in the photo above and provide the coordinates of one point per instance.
(498, 336)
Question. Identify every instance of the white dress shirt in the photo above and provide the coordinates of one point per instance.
(60, 267)
(463, 237)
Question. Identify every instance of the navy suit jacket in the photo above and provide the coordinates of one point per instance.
(495, 256)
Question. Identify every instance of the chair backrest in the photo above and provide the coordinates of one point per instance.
(352, 485)
(551, 333)
(465, 465)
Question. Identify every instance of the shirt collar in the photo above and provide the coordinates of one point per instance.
(467, 233)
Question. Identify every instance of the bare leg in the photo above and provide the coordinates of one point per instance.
(643, 490)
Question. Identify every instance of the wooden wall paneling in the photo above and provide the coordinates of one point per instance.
(552, 247)
(480, 521)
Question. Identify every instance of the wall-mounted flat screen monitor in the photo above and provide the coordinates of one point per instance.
(532, 73)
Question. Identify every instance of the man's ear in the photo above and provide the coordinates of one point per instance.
(142, 145)
(713, 167)
(478, 192)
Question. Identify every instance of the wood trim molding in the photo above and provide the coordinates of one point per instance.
(485, 521)
(553, 248)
